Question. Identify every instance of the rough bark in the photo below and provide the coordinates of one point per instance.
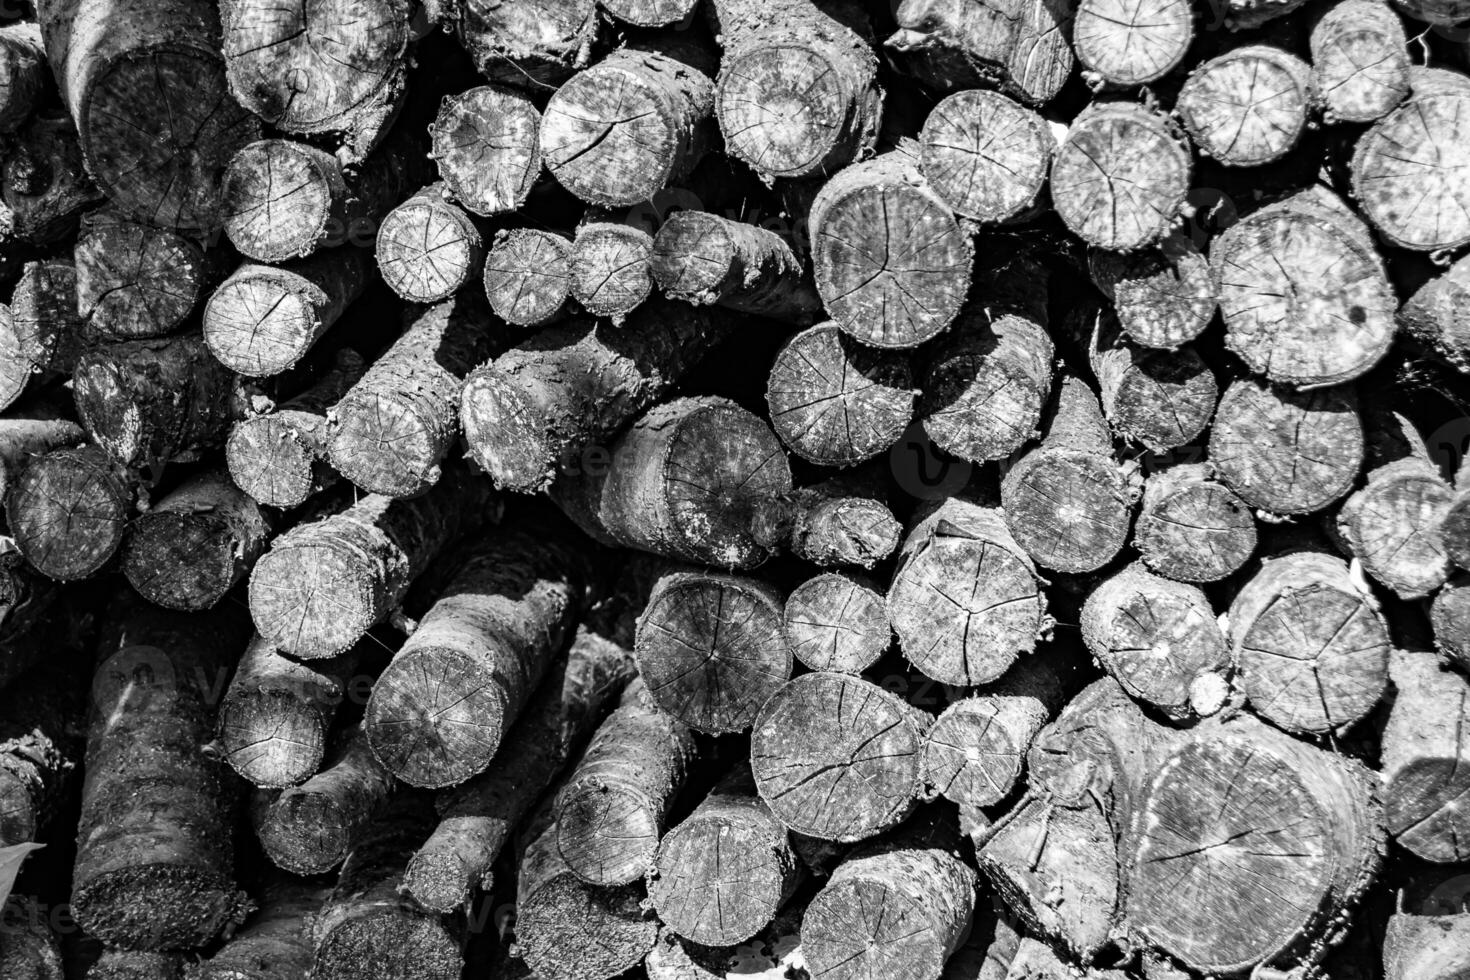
(338, 70)
(837, 757)
(1131, 42)
(476, 819)
(1248, 106)
(486, 146)
(154, 866)
(1360, 60)
(1191, 527)
(836, 621)
(681, 482)
(1163, 296)
(892, 263)
(275, 944)
(322, 585)
(834, 401)
(146, 85)
(1309, 642)
(391, 430)
(533, 44)
(816, 59)
(1160, 399)
(428, 247)
(1426, 759)
(965, 599)
(550, 397)
(67, 510)
(280, 457)
(1120, 177)
(23, 72)
(844, 520)
(633, 123)
(442, 707)
(44, 185)
(263, 319)
(611, 267)
(528, 275)
(1018, 46)
(985, 155)
(701, 258)
(274, 718)
(1435, 316)
(1302, 291)
(712, 648)
(1286, 452)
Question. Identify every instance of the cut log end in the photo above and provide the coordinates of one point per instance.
(435, 717)
(1132, 42)
(428, 248)
(528, 276)
(68, 510)
(986, 155)
(1405, 173)
(1163, 296)
(314, 599)
(1193, 529)
(272, 738)
(384, 444)
(269, 460)
(1360, 60)
(1247, 107)
(837, 622)
(611, 268)
(279, 199)
(485, 144)
(258, 326)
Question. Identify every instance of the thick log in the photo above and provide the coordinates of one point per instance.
(985, 155)
(44, 184)
(1120, 177)
(892, 263)
(1248, 106)
(814, 57)
(965, 599)
(33, 429)
(836, 621)
(1131, 42)
(280, 458)
(1310, 643)
(145, 82)
(1286, 452)
(274, 718)
(838, 758)
(531, 44)
(528, 276)
(392, 429)
(1160, 399)
(844, 520)
(68, 510)
(1019, 46)
(682, 482)
(263, 319)
(23, 72)
(611, 268)
(486, 146)
(477, 818)
(1360, 60)
(703, 258)
(1426, 759)
(428, 247)
(1191, 527)
(322, 585)
(339, 70)
(154, 866)
(442, 707)
(712, 648)
(524, 413)
(1435, 316)
(631, 124)
(1163, 296)
(275, 944)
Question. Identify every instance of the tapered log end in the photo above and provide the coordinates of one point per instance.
(435, 717)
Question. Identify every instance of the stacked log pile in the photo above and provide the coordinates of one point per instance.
(698, 489)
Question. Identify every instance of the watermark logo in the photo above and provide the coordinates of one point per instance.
(137, 678)
(923, 470)
(1448, 444)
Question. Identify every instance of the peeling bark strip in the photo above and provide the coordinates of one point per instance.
(965, 600)
(892, 264)
(1436, 316)
(1120, 177)
(712, 647)
(837, 622)
(23, 72)
(1296, 838)
(322, 585)
(309, 829)
(723, 873)
(1069, 502)
(630, 125)
(1287, 452)
(975, 752)
(263, 319)
(702, 258)
(896, 910)
(390, 432)
(34, 429)
(154, 866)
(1132, 42)
(485, 143)
(837, 757)
(274, 719)
(275, 944)
(844, 520)
(280, 458)
(1160, 399)
(366, 930)
(477, 818)
(67, 510)
(1360, 60)
(554, 394)
(1192, 528)
(1161, 640)
(145, 83)
(611, 812)
(1163, 296)
(1426, 759)
(192, 546)
(338, 70)
(828, 78)
(1019, 46)
(531, 44)
(428, 248)
(528, 276)
(1303, 293)
(1311, 646)
(568, 928)
(135, 281)
(1248, 106)
(985, 155)
(681, 482)
(611, 268)
(1407, 170)
(440, 710)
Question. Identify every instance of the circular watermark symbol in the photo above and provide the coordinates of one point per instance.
(134, 679)
(923, 470)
